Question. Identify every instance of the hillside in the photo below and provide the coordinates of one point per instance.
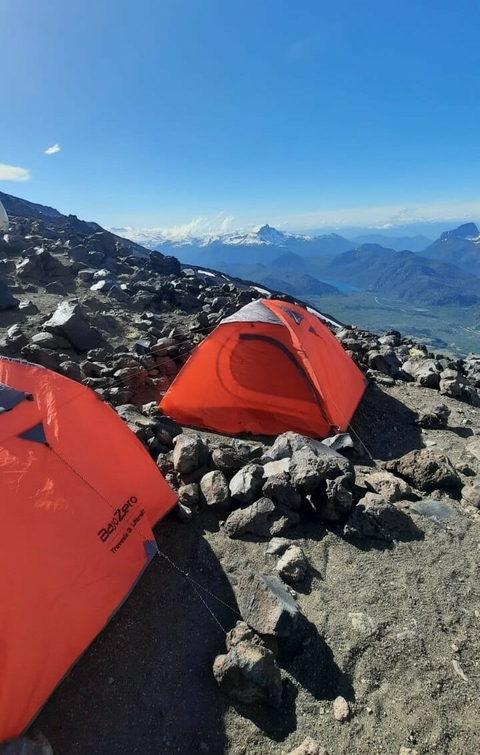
(460, 247)
(372, 548)
(405, 276)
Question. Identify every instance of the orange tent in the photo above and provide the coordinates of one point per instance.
(271, 367)
(79, 497)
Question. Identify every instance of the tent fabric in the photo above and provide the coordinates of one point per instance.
(272, 367)
(79, 497)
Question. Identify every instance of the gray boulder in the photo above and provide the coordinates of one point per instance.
(284, 445)
(274, 468)
(333, 499)
(434, 420)
(339, 442)
(189, 454)
(246, 484)
(70, 321)
(248, 672)
(13, 340)
(214, 487)
(236, 455)
(426, 470)
(142, 427)
(38, 355)
(452, 383)
(72, 370)
(50, 341)
(261, 518)
(57, 288)
(425, 371)
(375, 518)
(265, 604)
(279, 488)
(314, 463)
(7, 299)
(388, 486)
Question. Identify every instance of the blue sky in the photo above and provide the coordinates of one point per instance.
(208, 114)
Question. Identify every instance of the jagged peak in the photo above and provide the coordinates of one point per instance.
(464, 231)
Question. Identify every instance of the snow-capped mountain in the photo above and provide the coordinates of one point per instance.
(261, 245)
(152, 237)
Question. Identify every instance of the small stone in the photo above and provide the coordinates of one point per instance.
(309, 747)
(391, 488)
(341, 709)
(189, 495)
(292, 566)
(471, 494)
(407, 751)
(362, 622)
(277, 546)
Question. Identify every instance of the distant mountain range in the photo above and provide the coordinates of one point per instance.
(411, 243)
(260, 246)
(444, 274)
(305, 266)
(460, 246)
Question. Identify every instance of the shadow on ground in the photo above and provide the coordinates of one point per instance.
(309, 660)
(146, 685)
(384, 426)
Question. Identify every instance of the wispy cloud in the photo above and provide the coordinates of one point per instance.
(384, 217)
(11, 173)
(197, 227)
(53, 150)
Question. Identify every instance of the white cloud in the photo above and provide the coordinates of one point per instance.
(384, 217)
(194, 228)
(53, 150)
(10, 173)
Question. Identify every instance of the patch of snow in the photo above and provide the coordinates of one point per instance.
(323, 317)
(261, 290)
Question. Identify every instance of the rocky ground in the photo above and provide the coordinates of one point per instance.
(309, 596)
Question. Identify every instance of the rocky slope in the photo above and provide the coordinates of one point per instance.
(345, 573)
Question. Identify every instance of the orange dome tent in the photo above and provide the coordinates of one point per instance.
(79, 497)
(271, 367)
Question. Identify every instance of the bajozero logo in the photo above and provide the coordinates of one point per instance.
(120, 515)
